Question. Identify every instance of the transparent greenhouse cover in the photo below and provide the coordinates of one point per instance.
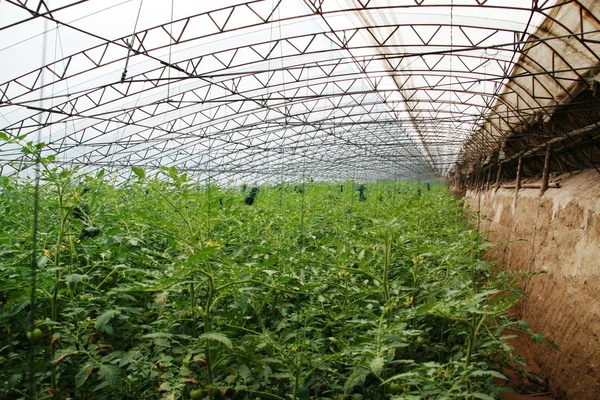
(270, 90)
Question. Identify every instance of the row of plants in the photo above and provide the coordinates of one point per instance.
(162, 288)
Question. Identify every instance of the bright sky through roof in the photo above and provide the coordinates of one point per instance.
(304, 74)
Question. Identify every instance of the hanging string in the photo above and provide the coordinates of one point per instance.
(34, 251)
(34, 237)
(130, 43)
(208, 164)
(209, 180)
(208, 230)
(450, 134)
(282, 179)
(72, 120)
(285, 107)
(170, 50)
(118, 136)
(302, 206)
(303, 185)
(350, 206)
(394, 187)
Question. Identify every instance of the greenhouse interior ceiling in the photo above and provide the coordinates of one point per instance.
(273, 90)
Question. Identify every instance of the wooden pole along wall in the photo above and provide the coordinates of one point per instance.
(519, 169)
(546, 171)
(489, 178)
(531, 186)
(498, 176)
(518, 183)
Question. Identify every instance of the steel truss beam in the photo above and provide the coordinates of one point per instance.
(336, 96)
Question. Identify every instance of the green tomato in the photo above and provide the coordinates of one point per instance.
(84, 297)
(422, 340)
(396, 387)
(196, 394)
(36, 335)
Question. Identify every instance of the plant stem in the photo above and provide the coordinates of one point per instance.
(474, 330)
(297, 378)
(386, 268)
(207, 326)
(57, 277)
(193, 304)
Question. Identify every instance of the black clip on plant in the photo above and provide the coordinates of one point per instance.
(249, 200)
(361, 190)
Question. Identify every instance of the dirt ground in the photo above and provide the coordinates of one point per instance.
(527, 386)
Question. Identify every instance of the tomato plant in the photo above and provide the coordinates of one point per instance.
(159, 287)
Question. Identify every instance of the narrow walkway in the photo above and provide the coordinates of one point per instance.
(526, 387)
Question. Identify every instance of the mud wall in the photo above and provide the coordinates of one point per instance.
(559, 233)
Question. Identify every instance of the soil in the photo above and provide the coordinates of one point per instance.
(558, 236)
(530, 384)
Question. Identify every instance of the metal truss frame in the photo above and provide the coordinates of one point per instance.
(331, 103)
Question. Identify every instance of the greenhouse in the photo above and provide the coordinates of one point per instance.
(300, 199)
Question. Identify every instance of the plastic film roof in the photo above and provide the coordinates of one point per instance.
(283, 89)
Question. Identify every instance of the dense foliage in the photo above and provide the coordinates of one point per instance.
(160, 288)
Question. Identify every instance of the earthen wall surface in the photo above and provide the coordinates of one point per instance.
(558, 233)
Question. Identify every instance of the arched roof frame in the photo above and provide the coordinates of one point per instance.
(432, 124)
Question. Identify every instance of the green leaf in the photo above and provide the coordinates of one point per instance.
(483, 396)
(100, 174)
(404, 375)
(83, 374)
(103, 319)
(62, 354)
(485, 245)
(158, 335)
(201, 255)
(424, 308)
(110, 374)
(139, 172)
(537, 338)
(27, 148)
(244, 372)
(72, 279)
(171, 172)
(377, 365)
(218, 337)
(523, 325)
(42, 261)
(489, 372)
(128, 358)
(113, 231)
(4, 136)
